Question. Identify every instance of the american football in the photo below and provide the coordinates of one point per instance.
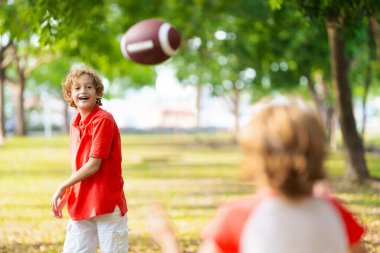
(150, 42)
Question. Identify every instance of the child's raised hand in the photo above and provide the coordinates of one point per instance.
(162, 230)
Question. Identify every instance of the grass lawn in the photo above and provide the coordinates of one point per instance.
(190, 175)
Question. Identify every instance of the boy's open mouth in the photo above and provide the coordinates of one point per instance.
(84, 98)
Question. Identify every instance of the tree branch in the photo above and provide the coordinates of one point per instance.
(8, 57)
(39, 61)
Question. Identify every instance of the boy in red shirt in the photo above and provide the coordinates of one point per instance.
(284, 149)
(94, 191)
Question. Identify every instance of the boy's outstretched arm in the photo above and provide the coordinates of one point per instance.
(162, 229)
(89, 168)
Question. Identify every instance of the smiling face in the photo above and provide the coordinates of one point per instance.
(83, 94)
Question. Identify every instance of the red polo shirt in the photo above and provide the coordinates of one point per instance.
(96, 136)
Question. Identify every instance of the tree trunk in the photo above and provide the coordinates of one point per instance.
(236, 111)
(376, 34)
(66, 127)
(334, 126)
(356, 168)
(18, 101)
(233, 102)
(367, 83)
(3, 65)
(19, 87)
(2, 103)
(322, 101)
(198, 104)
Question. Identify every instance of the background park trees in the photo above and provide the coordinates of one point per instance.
(260, 47)
(342, 19)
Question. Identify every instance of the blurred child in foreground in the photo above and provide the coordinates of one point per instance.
(284, 147)
(94, 191)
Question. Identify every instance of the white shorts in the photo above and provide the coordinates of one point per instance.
(109, 230)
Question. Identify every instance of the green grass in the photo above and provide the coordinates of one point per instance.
(190, 175)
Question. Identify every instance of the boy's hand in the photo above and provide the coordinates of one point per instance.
(162, 230)
(58, 201)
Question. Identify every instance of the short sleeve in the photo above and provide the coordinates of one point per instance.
(218, 231)
(228, 224)
(354, 229)
(102, 137)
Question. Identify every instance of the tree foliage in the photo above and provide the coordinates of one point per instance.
(343, 20)
(258, 46)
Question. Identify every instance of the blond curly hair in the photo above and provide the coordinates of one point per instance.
(284, 146)
(71, 78)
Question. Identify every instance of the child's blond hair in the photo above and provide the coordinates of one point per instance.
(284, 146)
(71, 78)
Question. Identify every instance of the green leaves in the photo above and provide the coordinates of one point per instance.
(275, 4)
